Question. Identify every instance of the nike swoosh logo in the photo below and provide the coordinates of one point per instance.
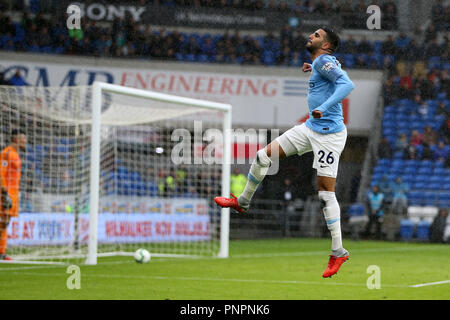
(324, 166)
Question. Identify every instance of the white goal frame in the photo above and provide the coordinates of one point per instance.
(97, 89)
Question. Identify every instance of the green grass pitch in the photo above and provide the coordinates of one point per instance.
(284, 269)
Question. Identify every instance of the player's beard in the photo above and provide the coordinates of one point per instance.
(312, 48)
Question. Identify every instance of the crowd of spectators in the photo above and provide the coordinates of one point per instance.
(421, 87)
(125, 38)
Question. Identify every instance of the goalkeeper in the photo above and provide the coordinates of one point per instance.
(324, 133)
(10, 181)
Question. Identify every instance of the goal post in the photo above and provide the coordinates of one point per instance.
(126, 191)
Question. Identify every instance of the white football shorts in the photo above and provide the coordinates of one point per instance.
(327, 148)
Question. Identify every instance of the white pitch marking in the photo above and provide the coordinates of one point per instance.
(429, 284)
(325, 282)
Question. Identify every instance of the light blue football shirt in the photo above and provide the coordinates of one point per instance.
(328, 86)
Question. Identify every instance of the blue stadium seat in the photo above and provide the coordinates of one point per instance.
(430, 198)
(190, 57)
(268, 57)
(439, 171)
(398, 155)
(412, 163)
(407, 178)
(396, 170)
(384, 162)
(398, 163)
(434, 186)
(152, 189)
(203, 58)
(426, 164)
(425, 171)
(402, 117)
(410, 170)
(421, 178)
(423, 230)
(389, 123)
(390, 109)
(419, 185)
(389, 131)
(349, 60)
(379, 169)
(377, 177)
(436, 178)
(179, 56)
(443, 199)
(434, 62)
(377, 46)
(406, 229)
(403, 124)
(356, 210)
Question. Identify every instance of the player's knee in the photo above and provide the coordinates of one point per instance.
(327, 197)
(262, 158)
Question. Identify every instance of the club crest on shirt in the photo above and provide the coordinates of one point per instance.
(4, 163)
(328, 66)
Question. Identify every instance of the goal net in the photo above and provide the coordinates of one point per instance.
(109, 169)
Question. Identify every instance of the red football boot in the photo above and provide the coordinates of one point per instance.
(333, 265)
(229, 203)
(5, 257)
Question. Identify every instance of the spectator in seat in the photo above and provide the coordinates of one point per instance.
(364, 46)
(384, 185)
(442, 110)
(17, 80)
(287, 191)
(375, 204)
(410, 152)
(430, 136)
(430, 33)
(360, 62)
(388, 46)
(389, 10)
(427, 153)
(441, 153)
(416, 138)
(414, 52)
(351, 46)
(432, 49)
(384, 149)
(192, 47)
(401, 143)
(438, 226)
(390, 91)
(444, 131)
(402, 44)
(444, 80)
(399, 199)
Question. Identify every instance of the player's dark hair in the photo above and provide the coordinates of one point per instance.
(333, 38)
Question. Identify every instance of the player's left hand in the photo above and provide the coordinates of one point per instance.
(6, 202)
(317, 114)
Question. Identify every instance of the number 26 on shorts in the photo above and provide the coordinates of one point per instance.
(329, 158)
